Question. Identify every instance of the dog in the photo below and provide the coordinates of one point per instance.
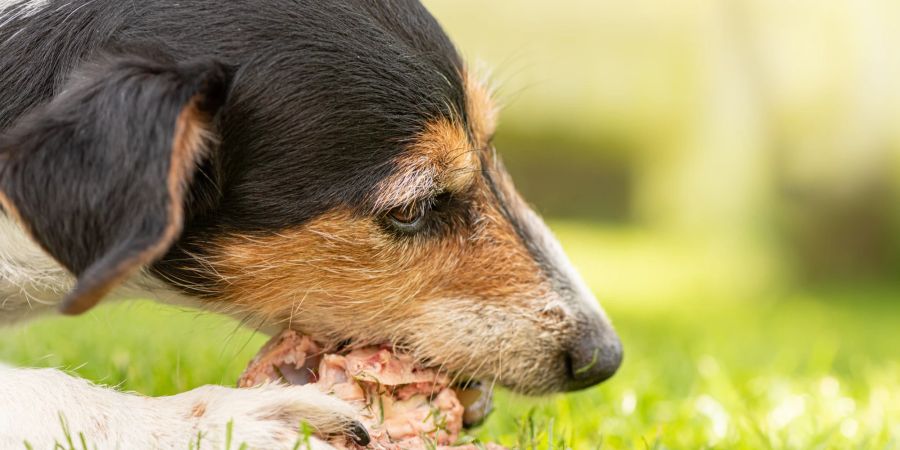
(323, 165)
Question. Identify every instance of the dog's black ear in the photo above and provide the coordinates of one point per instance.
(98, 176)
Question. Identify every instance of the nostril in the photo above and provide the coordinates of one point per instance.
(570, 365)
(592, 360)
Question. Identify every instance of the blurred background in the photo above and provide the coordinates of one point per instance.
(764, 132)
(724, 173)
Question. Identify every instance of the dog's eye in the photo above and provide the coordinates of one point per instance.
(414, 218)
(408, 219)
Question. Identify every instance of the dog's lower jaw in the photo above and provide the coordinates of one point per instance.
(37, 406)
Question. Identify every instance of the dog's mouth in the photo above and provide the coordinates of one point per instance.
(385, 379)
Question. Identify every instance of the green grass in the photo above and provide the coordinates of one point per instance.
(704, 367)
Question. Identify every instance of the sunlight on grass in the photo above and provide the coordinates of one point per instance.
(735, 377)
(702, 370)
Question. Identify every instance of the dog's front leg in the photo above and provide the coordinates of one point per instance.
(42, 407)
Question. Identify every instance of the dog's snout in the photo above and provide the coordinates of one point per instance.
(593, 357)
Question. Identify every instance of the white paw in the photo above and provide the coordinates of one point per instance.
(269, 416)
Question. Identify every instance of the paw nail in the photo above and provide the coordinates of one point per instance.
(359, 434)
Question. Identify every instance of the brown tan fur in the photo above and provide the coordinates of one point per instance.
(10, 209)
(342, 270)
(198, 410)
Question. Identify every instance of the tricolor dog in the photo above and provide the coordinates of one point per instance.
(323, 165)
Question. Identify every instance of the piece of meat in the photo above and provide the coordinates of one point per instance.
(289, 357)
(404, 406)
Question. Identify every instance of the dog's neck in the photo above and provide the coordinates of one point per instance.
(32, 283)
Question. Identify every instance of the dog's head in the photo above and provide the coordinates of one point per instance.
(338, 179)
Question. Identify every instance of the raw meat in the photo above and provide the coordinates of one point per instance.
(404, 406)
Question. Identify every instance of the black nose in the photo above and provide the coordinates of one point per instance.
(593, 358)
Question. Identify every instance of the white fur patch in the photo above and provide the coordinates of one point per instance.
(30, 280)
(31, 402)
(29, 7)
(19, 9)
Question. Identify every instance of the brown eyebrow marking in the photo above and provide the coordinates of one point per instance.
(440, 158)
(444, 155)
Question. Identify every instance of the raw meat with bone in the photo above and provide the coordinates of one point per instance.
(403, 406)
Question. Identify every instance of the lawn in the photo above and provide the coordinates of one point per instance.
(811, 369)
